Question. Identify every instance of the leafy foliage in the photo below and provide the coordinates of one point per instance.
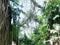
(51, 10)
(45, 30)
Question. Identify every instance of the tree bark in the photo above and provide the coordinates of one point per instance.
(5, 37)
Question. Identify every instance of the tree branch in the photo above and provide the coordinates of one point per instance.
(36, 4)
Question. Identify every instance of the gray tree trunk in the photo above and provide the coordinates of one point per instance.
(5, 37)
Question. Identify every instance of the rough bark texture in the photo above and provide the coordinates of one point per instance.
(5, 37)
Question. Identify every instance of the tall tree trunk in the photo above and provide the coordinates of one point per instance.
(5, 37)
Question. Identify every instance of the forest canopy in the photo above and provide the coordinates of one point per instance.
(35, 22)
